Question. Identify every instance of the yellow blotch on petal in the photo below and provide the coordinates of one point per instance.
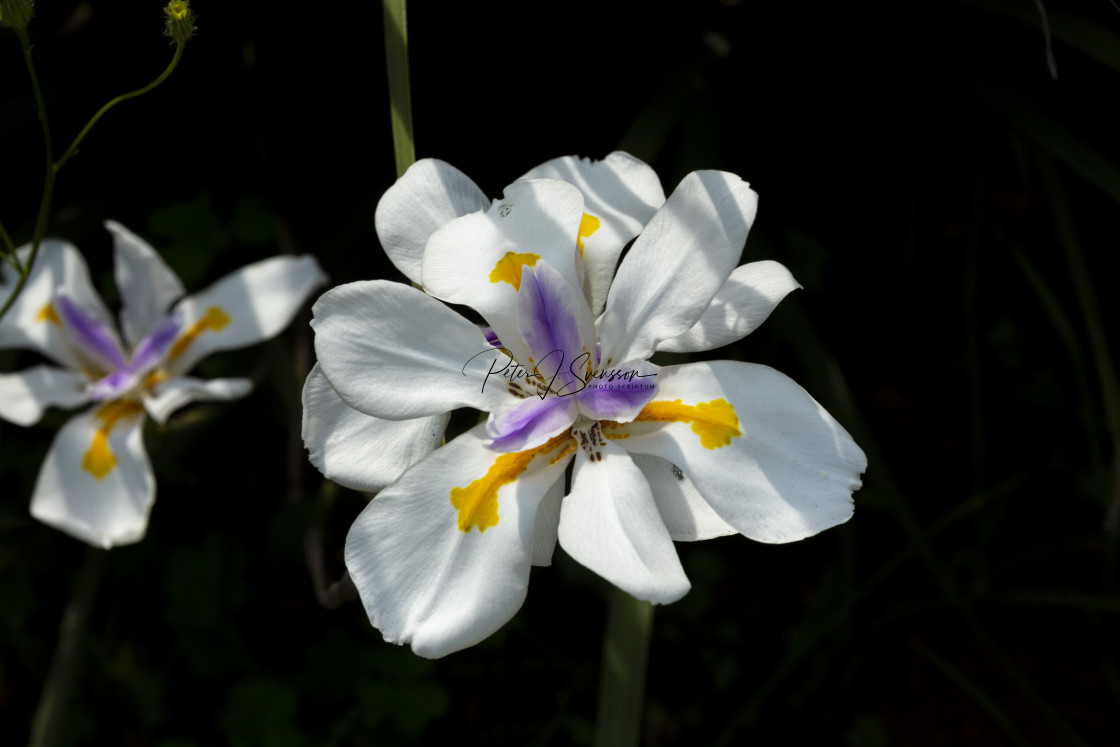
(508, 268)
(478, 502)
(714, 422)
(99, 459)
(48, 314)
(588, 225)
(214, 319)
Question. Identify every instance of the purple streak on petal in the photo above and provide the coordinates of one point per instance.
(618, 400)
(547, 319)
(94, 337)
(154, 346)
(113, 385)
(491, 337)
(530, 423)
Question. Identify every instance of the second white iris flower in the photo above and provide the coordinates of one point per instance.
(441, 557)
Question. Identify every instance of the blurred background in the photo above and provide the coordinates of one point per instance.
(948, 205)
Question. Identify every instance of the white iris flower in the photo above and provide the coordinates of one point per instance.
(441, 557)
(96, 482)
(621, 194)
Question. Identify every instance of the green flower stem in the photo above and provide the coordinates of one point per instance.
(47, 726)
(400, 96)
(48, 178)
(622, 680)
(9, 250)
(53, 167)
(123, 97)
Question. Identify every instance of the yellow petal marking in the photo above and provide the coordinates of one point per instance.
(478, 502)
(48, 314)
(714, 422)
(588, 225)
(99, 459)
(215, 319)
(508, 268)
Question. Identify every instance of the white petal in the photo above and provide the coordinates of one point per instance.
(147, 285)
(678, 263)
(609, 523)
(26, 394)
(548, 524)
(622, 193)
(245, 307)
(359, 451)
(104, 511)
(429, 195)
(477, 259)
(425, 581)
(687, 516)
(32, 322)
(788, 474)
(168, 396)
(739, 307)
(392, 351)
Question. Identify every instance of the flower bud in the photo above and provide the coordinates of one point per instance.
(15, 13)
(179, 20)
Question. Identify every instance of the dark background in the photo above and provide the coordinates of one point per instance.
(949, 208)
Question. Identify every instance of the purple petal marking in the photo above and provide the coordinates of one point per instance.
(620, 401)
(154, 346)
(547, 315)
(491, 337)
(113, 386)
(530, 423)
(147, 356)
(94, 337)
(620, 393)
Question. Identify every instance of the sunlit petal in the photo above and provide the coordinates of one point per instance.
(33, 321)
(26, 394)
(477, 260)
(770, 460)
(243, 308)
(609, 522)
(359, 451)
(621, 194)
(738, 308)
(168, 396)
(96, 483)
(443, 578)
(147, 285)
(392, 351)
(678, 263)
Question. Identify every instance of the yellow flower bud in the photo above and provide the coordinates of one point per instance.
(15, 13)
(179, 20)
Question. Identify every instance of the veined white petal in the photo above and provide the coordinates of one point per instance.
(609, 523)
(392, 351)
(96, 483)
(441, 557)
(620, 194)
(431, 194)
(686, 514)
(168, 396)
(739, 307)
(678, 263)
(26, 394)
(32, 321)
(247, 306)
(359, 451)
(147, 285)
(769, 459)
(477, 259)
